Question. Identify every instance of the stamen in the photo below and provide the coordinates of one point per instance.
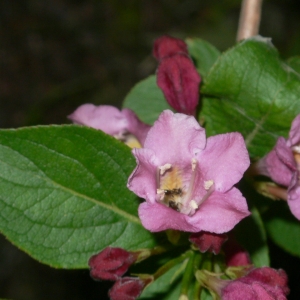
(208, 184)
(189, 192)
(296, 149)
(209, 192)
(164, 168)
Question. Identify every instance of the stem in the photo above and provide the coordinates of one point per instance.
(249, 19)
(197, 286)
(187, 277)
(165, 268)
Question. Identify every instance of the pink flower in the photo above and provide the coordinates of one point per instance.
(176, 74)
(186, 179)
(207, 241)
(261, 283)
(127, 288)
(112, 121)
(111, 263)
(282, 165)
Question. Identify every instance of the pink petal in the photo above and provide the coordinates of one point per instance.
(294, 195)
(135, 125)
(276, 169)
(142, 181)
(220, 212)
(104, 117)
(285, 153)
(294, 135)
(158, 217)
(175, 138)
(224, 160)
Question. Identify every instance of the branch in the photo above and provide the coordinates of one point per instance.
(249, 19)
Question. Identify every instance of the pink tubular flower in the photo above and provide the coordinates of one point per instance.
(261, 283)
(127, 288)
(207, 241)
(111, 263)
(176, 74)
(120, 124)
(282, 165)
(186, 179)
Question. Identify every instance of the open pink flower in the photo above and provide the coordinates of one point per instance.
(186, 179)
(282, 165)
(260, 283)
(112, 121)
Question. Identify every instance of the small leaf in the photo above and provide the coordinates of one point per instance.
(63, 194)
(252, 236)
(146, 100)
(249, 89)
(203, 53)
(283, 227)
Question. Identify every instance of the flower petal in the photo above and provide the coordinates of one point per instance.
(294, 195)
(224, 160)
(276, 169)
(158, 217)
(220, 212)
(142, 181)
(135, 125)
(175, 137)
(104, 117)
(294, 135)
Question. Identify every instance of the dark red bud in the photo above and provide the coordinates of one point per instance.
(166, 46)
(235, 254)
(110, 263)
(127, 288)
(207, 241)
(179, 81)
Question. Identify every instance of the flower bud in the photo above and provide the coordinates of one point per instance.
(128, 288)
(167, 46)
(111, 263)
(179, 81)
(207, 241)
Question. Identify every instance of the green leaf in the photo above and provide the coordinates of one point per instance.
(283, 227)
(203, 53)
(249, 89)
(252, 236)
(63, 194)
(146, 100)
(294, 62)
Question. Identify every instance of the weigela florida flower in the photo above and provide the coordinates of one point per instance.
(123, 125)
(186, 179)
(176, 74)
(282, 165)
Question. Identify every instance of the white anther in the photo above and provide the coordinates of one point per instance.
(160, 191)
(164, 168)
(208, 184)
(194, 164)
(296, 149)
(193, 204)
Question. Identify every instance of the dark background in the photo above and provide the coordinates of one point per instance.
(58, 54)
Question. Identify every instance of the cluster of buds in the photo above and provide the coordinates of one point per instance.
(112, 264)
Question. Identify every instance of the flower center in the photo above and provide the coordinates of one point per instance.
(175, 193)
(296, 153)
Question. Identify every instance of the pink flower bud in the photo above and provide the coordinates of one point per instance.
(127, 288)
(176, 74)
(261, 283)
(207, 241)
(235, 254)
(167, 46)
(111, 263)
